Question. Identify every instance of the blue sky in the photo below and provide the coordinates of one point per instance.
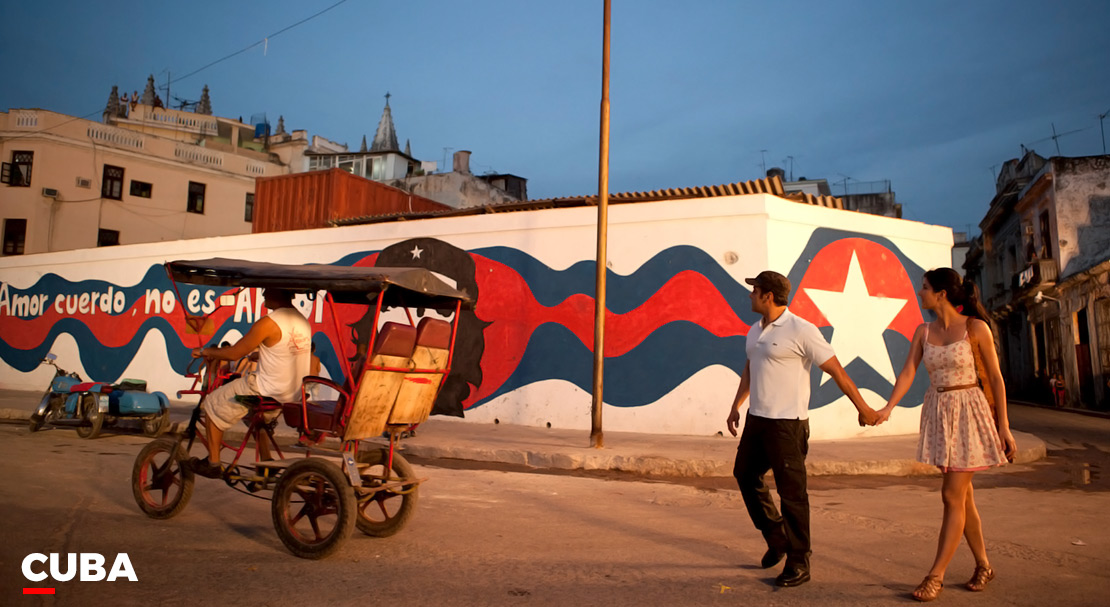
(930, 95)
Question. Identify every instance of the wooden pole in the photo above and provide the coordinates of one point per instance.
(597, 437)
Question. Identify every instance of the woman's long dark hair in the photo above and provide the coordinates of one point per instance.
(963, 294)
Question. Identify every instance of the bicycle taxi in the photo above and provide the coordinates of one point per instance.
(393, 376)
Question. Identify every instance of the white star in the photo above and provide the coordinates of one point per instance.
(858, 320)
(416, 251)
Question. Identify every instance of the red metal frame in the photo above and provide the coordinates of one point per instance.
(257, 421)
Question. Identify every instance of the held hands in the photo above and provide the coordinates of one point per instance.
(869, 417)
(884, 413)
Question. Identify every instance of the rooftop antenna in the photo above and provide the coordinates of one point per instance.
(167, 72)
(790, 162)
(844, 182)
(182, 104)
(763, 161)
(1100, 117)
(443, 170)
(1055, 138)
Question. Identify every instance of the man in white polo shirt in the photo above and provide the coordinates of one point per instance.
(781, 350)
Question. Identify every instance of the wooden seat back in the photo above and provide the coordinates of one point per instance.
(418, 391)
(377, 390)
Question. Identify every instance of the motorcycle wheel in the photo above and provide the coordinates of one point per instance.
(89, 412)
(36, 420)
(155, 426)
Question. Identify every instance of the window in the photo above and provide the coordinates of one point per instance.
(15, 234)
(1046, 236)
(248, 209)
(18, 171)
(107, 238)
(141, 189)
(112, 183)
(196, 198)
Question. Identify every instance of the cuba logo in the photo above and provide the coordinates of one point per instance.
(85, 566)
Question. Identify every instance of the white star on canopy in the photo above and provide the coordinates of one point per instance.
(416, 251)
(858, 320)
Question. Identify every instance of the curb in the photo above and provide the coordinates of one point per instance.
(1031, 449)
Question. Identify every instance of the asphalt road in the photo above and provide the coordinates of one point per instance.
(491, 537)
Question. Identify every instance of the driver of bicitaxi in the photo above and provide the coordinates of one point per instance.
(283, 339)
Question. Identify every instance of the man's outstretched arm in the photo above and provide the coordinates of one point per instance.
(867, 415)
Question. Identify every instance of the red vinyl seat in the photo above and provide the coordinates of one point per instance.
(326, 416)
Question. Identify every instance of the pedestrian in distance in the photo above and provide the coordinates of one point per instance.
(960, 434)
(781, 350)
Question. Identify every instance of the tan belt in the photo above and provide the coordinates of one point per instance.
(951, 388)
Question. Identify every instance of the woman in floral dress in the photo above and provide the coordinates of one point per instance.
(960, 432)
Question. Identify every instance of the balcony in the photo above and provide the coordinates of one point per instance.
(1039, 272)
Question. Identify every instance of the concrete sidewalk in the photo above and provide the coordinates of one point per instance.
(636, 453)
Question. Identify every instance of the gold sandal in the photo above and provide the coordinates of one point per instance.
(929, 588)
(979, 579)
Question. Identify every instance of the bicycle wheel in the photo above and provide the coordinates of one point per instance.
(313, 508)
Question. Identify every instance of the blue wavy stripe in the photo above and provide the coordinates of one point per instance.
(624, 293)
(668, 357)
(665, 359)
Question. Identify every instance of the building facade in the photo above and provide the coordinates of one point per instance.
(1043, 264)
(144, 174)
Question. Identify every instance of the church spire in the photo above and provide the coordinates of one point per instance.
(112, 110)
(148, 92)
(204, 106)
(385, 140)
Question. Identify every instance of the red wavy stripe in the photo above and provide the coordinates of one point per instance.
(506, 301)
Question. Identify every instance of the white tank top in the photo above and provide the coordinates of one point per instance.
(281, 367)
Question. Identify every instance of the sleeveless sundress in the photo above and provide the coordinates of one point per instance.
(958, 432)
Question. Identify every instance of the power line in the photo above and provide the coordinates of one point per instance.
(262, 41)
(196, 71)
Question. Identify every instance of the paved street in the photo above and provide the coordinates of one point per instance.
(488, 537)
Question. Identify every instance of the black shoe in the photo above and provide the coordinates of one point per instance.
(792, 576)
(204, 468)
(772, 557)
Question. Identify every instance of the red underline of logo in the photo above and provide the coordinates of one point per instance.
(38, 591)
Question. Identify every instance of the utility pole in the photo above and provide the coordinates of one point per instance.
(597, 437)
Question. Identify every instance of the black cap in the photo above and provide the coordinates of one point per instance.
(773, 283)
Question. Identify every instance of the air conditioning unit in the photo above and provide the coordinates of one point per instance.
(50, 192)
(84, 182)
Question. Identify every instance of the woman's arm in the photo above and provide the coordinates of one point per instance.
(982, 334)
(909, 371)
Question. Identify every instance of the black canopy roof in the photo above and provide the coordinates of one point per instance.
(408, 287)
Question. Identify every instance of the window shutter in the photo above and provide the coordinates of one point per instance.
(6, 173)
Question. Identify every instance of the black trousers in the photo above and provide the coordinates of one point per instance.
(778, 445)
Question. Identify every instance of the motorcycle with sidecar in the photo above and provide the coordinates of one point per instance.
(89, 407)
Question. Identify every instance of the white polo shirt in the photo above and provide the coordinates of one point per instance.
(780, 356)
